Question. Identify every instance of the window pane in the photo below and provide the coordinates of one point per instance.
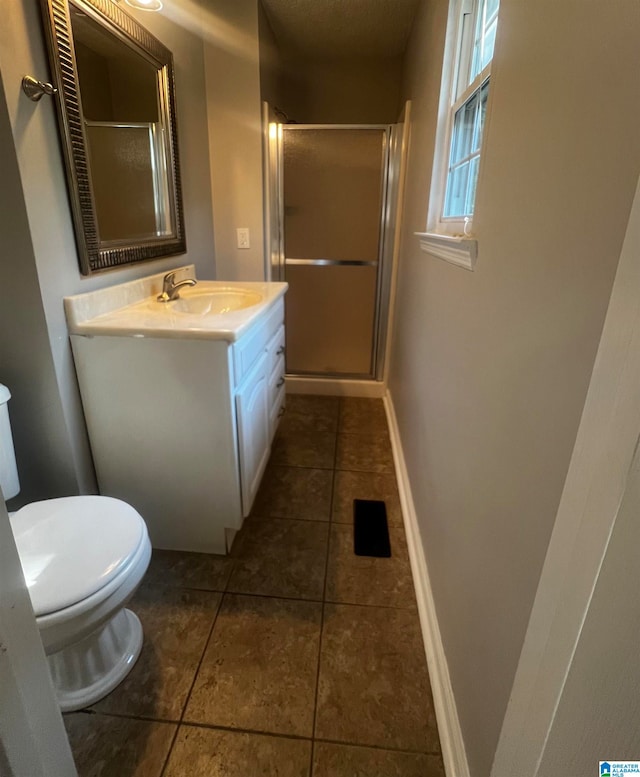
(457, 191)
(485, 36)
(474, 166)
(463, 130)
(465, 54)
(488, 45)
(464, 161)
(479, 118)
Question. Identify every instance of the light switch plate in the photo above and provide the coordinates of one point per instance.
(243, 237)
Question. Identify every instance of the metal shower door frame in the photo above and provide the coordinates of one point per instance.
(383, 275)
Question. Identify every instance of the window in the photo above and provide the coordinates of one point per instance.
(476, 24)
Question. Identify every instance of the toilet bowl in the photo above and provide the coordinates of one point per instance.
(82, 557)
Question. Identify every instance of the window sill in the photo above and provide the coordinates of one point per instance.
(461, 251)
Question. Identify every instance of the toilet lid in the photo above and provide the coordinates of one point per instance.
(72, 547)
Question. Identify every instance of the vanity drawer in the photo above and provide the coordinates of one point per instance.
(274, 319)
(276, 379)
(250, 347)
(276, 411)
(276, 349)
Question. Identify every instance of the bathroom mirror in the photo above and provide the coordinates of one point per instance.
(116, 110)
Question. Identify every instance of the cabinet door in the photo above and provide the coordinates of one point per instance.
(252, 405)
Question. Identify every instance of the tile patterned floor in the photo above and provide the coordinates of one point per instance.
(292, 657)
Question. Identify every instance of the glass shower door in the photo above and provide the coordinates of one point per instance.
(332, 193)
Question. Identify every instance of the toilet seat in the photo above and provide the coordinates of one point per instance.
(74, 547)
(131, 573)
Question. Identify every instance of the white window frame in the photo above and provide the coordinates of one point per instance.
(453, 233)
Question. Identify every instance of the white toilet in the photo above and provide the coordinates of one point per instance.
(82, 557)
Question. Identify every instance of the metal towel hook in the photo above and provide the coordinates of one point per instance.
(34, 89)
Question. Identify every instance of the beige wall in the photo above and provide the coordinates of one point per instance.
(27, 365)
(235, 135)
(341, 92)
(270, 62)
(327, 91)
(490, 368)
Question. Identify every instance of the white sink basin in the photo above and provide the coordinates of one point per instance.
(212, 310)
(208, 302)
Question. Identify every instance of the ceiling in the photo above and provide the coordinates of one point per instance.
(342, 29)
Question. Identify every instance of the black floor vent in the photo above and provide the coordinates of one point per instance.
(370, 529)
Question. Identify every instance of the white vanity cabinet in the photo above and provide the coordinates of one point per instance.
(182, 428)
(260, 398)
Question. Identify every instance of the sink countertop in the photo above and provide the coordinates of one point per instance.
(125, 310)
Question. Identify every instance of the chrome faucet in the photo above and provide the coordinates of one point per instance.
(170, 288)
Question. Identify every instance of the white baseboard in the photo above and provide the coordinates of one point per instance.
(451, 741)
(335, 387)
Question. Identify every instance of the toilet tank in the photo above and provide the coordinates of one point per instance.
(8, 470)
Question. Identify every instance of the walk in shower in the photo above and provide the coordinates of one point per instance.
(333, 195)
